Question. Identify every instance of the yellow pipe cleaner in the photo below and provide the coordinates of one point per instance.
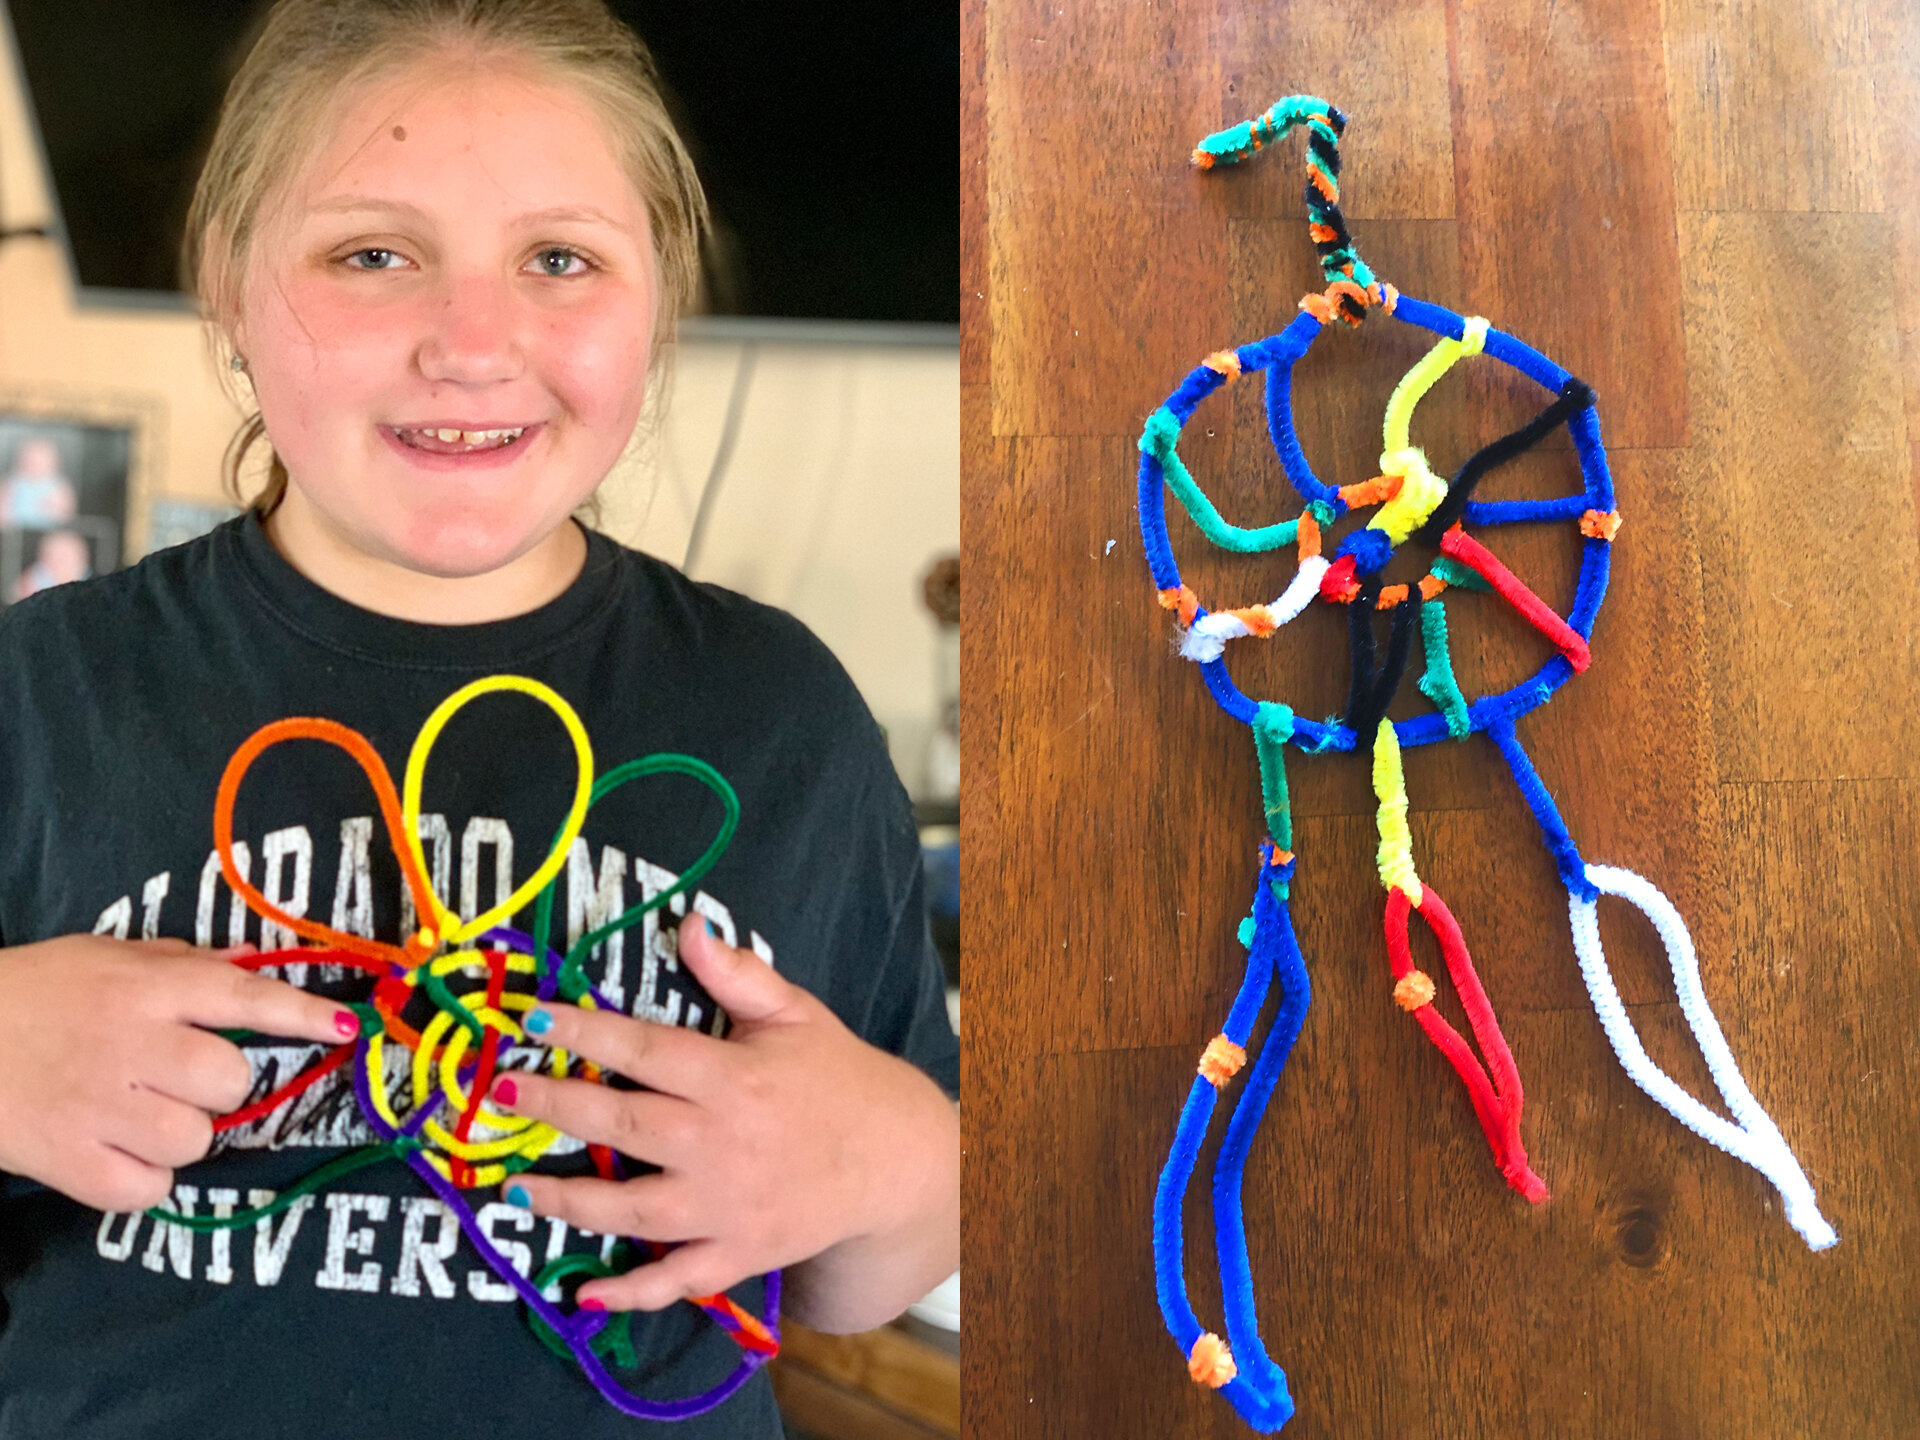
(452, 929)
(1421, 491)
(1396, 841)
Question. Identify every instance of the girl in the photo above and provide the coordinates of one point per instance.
(446, 242)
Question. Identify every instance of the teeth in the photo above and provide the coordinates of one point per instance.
(474, 437)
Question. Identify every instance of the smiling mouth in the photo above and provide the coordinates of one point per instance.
(443, 441)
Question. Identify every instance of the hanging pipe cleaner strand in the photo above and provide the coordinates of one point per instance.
(1494, 1088)
(1754, 1139)
(1272, 728)
(1239, 1367)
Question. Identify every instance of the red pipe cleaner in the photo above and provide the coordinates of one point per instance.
(1470, 552)
(1496, 1100)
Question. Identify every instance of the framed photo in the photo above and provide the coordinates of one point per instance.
(73, 486)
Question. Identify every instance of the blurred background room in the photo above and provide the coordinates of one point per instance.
(809, 455)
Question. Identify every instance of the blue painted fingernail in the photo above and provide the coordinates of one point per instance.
(517, 1195)
(539, 1022)
(710, 927)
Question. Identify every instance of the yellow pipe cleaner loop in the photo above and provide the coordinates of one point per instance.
(1421, 491)
(1396, 841)
(452, 929)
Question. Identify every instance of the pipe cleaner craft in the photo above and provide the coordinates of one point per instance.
(1418, 505)
(452, 1015)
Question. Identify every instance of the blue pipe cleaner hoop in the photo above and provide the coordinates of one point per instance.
(1277, 355)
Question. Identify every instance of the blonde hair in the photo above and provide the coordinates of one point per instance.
(310, 51)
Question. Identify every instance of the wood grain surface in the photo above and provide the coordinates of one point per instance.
(1711, 212)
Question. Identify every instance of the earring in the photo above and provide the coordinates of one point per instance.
(238, 364)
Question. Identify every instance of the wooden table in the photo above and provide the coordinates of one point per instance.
(899, 1382)
(1712, 214)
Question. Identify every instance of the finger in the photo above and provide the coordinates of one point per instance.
(219, 996)
(164, 948)
(666, 1058)
(651, 1207)
(198, 1068)
(646, 1125)
(158, 1130)
(111, 1179)
(740, 982)
(699, 1268)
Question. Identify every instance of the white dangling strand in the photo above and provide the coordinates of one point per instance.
(1755, 1139)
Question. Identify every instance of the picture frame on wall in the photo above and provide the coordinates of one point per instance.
(74, 479)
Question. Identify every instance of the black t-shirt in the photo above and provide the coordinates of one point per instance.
(365, 1310)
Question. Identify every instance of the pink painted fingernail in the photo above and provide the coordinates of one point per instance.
(506, 1092)
(592, 1304)
(347, 1023)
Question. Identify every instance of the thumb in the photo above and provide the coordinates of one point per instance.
(740, 982)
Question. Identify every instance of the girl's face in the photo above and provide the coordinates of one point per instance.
(447, 320)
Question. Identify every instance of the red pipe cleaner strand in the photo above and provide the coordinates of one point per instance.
(483, 1073)
(310, 955)
(1498, 1109)
(1470, 552)
(1486, 1029)
(742, 1325)
(335, 1058)
(325, 1066)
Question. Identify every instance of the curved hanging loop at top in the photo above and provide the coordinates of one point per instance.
(1351, 286)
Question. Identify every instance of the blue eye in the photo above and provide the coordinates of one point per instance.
(557, 261)
(374, 258)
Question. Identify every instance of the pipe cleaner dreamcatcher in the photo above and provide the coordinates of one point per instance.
(443, 1021)
(1418, 505)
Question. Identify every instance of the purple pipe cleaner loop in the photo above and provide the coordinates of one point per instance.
(575, 1330)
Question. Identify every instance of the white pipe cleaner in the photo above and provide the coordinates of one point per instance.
(1755, 1139)
(1207, 637)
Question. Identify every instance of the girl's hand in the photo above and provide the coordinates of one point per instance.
(788, 1138)
(110, 1075)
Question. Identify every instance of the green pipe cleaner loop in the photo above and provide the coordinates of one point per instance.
(305, 1185)
(615, 1341)
(572, 982)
